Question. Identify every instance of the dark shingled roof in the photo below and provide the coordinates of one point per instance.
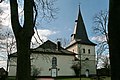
(80, 33)
(48, 47)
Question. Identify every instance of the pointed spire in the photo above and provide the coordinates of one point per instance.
(80, 31)
(79, 13)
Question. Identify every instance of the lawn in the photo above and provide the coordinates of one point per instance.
(103, 78)
(73, 79)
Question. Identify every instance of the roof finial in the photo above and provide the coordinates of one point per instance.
(79, 5)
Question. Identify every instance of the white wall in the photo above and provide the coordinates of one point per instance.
(12, 67)
(89, 64)
(43, 62)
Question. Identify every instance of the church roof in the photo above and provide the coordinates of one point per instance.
(80, 34)
(48, 47)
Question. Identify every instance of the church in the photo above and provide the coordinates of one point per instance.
(52, 60)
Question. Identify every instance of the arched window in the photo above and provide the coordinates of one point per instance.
(54, 62)
(88, 51)
(83, 50)
(86, 58)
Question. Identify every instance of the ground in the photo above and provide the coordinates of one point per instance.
(102, 78)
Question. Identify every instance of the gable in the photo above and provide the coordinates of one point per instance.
(47, 45)
(50, 47)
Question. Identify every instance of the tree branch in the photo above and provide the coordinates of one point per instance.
(15, 20)
(36, 13)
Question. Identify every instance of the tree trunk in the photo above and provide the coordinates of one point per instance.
(23, 58)
(23, 35)
(114, 40)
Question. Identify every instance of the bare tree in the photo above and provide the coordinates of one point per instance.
(8, 44)
(100, 28)
(101, 23)
(105, 61)
(23, 33)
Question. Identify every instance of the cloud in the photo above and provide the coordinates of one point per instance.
(3, 64)
(5, 33)
(5, 15)
(98, 38)
(43, 35)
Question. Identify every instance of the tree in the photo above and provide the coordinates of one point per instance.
(35, 71)
(100, 28)
(76, 67)
(113, 34)
(23, 33)
(8, 44)
(106, 62)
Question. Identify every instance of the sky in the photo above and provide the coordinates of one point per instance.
(63, 25)
(68, 11)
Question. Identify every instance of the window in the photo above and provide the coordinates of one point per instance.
(83, 50)
(88, 51)
(86, 58)
(73, 50)
(54, 62)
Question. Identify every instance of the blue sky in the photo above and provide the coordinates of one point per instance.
(68, 11)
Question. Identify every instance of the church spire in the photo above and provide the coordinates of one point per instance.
(80, 33)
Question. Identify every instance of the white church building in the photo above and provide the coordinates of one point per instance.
(52, 60)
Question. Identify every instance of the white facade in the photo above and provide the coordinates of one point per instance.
(87, 57)
(44, 63)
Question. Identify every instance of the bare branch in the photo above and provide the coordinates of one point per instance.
(47, 10)
(100, 23)
(100, 28)
(38, 35)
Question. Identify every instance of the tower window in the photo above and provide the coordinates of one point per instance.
(83, 50)
(87, 59)
(73, 50)
(89, 51)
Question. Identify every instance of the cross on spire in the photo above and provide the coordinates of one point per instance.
(79, 4)
(80, 30)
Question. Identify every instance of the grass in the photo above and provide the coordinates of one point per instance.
(103, 78)
(74, 79)
(11, 78)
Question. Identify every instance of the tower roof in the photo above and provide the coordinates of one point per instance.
(79, 30)
(80, 33)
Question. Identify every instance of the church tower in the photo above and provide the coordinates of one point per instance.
(83, 47)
